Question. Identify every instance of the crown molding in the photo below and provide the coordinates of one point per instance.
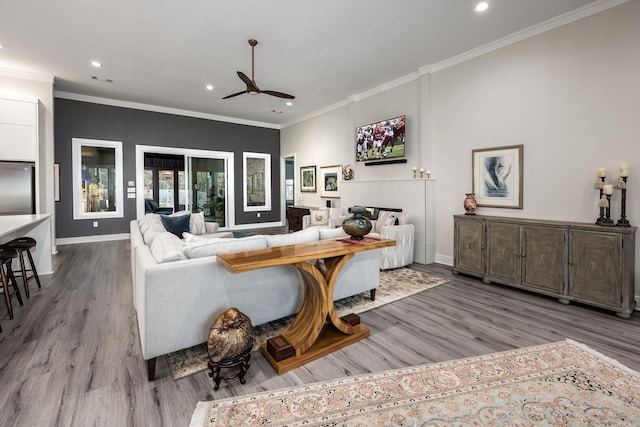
(316, 113)
(550, 24)
(28, 75)
(560, 20)
(355, 98)
(160, 109)
(385, 87)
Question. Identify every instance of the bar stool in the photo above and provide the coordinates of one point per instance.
(6, 258)
(22, 245)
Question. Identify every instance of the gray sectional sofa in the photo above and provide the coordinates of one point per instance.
(179, 288)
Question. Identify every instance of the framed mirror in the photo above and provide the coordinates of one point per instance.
(97, 178)
(256, 181)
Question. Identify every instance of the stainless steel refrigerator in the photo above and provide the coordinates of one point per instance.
(17, 188)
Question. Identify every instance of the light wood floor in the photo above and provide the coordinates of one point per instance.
(71, 356)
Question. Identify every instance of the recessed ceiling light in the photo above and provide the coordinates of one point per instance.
(482, 6)
(96, 64)
(209, 87)
(289, 103)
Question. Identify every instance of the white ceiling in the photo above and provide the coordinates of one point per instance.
(163, 53)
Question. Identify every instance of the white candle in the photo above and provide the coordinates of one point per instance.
(602, 172)
(607, 189)
(421, 170)
(415, 168)
(428, 172)
(624, 169)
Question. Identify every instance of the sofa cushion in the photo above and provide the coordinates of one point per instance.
(196, 224)
(188, 238)
(332, 233)
(319, 217)
(167, 247)
(302, 236)
(210, 247)
(176, 224)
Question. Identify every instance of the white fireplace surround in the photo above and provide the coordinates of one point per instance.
(416, 197)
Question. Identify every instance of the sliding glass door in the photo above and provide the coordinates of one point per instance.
(201, 181)
(207, 186)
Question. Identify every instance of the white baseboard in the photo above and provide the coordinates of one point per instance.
(444, 259)
(92, 239)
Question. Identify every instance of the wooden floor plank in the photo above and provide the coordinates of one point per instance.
(72, 356)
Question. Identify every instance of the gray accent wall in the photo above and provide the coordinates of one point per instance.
(77, 119)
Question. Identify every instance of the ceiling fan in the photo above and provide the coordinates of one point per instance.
(252, 87)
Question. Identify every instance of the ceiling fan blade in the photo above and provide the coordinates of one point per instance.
(235, 94)
(245, 79)
(278, 94)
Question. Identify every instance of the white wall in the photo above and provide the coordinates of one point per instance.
(570, 95)
(329, 139)
(18, 85)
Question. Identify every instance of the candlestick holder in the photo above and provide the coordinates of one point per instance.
(421, 174)
(607, 221)
(623, 221)
(600, 186)
(414, 173)
(428, 174)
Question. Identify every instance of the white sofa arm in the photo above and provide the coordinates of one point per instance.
(402, 253)
(211, 227)
(337, 221)
(306, 221)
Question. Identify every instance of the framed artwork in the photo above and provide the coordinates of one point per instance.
(256, 182)
(497, 176)
(308, 179)
(330, 181)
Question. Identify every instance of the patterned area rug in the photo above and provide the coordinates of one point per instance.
(559, 384)
(394, 285)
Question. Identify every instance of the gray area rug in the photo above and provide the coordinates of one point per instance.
(394, 285)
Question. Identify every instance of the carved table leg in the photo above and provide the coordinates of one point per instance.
(317, 330)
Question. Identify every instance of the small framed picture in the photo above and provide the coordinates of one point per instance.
(330, 181)
(497, 176)
(308, 179)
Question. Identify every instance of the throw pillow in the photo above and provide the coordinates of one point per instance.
(319, 217)
(166, 247)
(385, 218)
(176, 224)
(196, 223)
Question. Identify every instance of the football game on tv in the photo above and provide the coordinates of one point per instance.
(381, 140)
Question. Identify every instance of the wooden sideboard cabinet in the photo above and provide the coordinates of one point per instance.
(578, 262)
(294, 216)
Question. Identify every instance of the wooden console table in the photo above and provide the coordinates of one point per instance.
(307, 333)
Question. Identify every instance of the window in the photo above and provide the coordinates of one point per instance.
(97, 178)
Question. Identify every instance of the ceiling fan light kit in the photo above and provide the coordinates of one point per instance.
(252, 87)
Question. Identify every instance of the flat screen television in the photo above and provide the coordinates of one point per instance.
(381, 140)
